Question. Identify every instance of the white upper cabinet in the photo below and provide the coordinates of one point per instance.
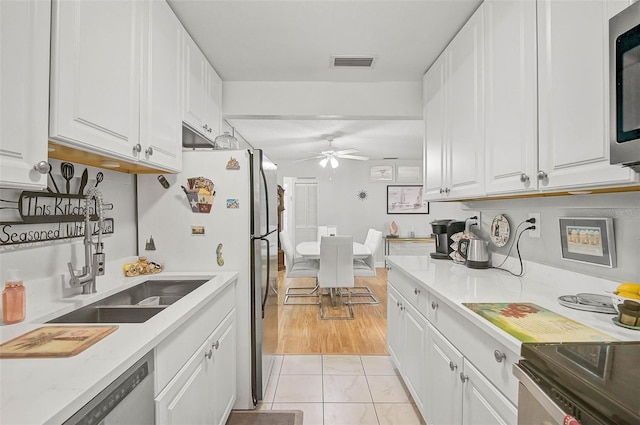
(24, 83)
(511, 132)
(573, 95)
(202, 92)
(161, 96)
(454, 117)
(95, 76)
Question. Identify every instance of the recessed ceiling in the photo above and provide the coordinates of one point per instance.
(295, 40)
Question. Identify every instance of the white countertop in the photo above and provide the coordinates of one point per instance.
(456, 284)
(50, 390)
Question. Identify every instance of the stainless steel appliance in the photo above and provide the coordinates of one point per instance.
(594, 382)
(127, 400)
(236, 230)
(475, 252)
(624, 93)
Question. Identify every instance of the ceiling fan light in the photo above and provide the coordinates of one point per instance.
(323, 162)
(334, 163)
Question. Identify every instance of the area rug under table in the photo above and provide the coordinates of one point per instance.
(265, 417)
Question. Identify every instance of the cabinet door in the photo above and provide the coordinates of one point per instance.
(415, 359)
(194, 89)
(482, 403)
(223, 371)
(573, 100)
(95, 75)
(160, 102)
(511, 134)
(465, 158)
(434, 130)
(213, 102)
(394, 326)
(24, 81)
(444, 388)
(186, 399)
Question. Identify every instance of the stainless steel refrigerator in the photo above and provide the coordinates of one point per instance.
(231, 226)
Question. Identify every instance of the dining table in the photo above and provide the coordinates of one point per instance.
(311, 250)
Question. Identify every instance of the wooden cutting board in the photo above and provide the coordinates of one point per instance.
(54, 341)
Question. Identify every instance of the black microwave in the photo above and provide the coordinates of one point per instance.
(624, 53)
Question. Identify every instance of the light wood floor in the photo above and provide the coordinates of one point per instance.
(301, 331)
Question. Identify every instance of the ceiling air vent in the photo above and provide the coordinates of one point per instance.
(352, 61)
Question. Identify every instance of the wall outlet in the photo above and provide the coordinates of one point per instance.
(535, 233)
(477, 214)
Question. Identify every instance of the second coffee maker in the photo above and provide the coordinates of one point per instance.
(443, 230)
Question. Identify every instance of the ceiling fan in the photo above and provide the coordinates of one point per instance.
(331, 156)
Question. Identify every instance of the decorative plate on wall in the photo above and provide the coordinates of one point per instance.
(362, 195)
(500, 230)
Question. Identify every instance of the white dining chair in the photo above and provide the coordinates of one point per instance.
(336, 272)
(366, 267)
(323, 231)
(298, 268)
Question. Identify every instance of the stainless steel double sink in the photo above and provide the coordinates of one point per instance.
(133, 305)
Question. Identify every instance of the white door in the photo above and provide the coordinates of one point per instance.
(24, 81)
(573, 100)
(511, 133)
(416, 355)
(305, 210)
(223, 371)
(194, 90)
(394, 327)
(465, 159)
(160, 102)
(444, 393)
(484, 404)
(95, 75)
(213, 100)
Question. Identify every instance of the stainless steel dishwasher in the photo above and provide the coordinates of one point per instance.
(127, 400)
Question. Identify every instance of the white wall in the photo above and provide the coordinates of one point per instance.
(42, 265)
(339, 205)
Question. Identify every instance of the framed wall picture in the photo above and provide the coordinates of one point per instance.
(406, 200)
(588, 240)
(408, 174)
(381, 173)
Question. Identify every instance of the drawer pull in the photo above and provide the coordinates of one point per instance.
(402, 308)
(452, 365)
(434, 305)
(464, 378)
(499, 355)
(209, 354)
(216, 345)
(137, 148)
(398, 304)
(416, 291)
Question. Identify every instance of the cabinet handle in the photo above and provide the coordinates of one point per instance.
(208, 354)
(452, 365)
(499, 355)
(434, 305)
(206, 127)
(541, 175)
(402, 308)
(149, 151)
(216, 345)
(416, 291)
(42, 167)
(447, 190)
(464, 378)
(137, 148)
(398, 304)
(441, 190)
(210, 129)
(524, 178)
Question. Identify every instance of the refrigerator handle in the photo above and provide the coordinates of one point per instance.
(266, 197)
(266, 291)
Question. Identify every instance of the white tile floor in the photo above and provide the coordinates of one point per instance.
(340, 390)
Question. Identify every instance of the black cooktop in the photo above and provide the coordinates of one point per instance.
(605, 376)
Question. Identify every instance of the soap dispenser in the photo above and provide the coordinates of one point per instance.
(14, 300)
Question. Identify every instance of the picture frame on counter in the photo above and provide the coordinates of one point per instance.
(588, 240)
(406, 199)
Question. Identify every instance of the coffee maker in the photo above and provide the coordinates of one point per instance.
(443, 230)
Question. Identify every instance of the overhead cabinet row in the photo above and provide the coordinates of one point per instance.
(121, 83)
(518, 102)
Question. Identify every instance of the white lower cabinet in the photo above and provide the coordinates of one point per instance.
(455, 372)
(407, 341)
(204, 390)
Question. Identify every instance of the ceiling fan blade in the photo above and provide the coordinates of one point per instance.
(345, 152)
(308, 159)
(356, 157)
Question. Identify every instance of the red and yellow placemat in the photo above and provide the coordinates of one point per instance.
(54, 341)
(531, 323)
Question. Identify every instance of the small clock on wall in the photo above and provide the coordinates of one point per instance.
(362, 195)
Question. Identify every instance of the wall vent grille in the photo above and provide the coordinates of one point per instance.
(352, 61)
